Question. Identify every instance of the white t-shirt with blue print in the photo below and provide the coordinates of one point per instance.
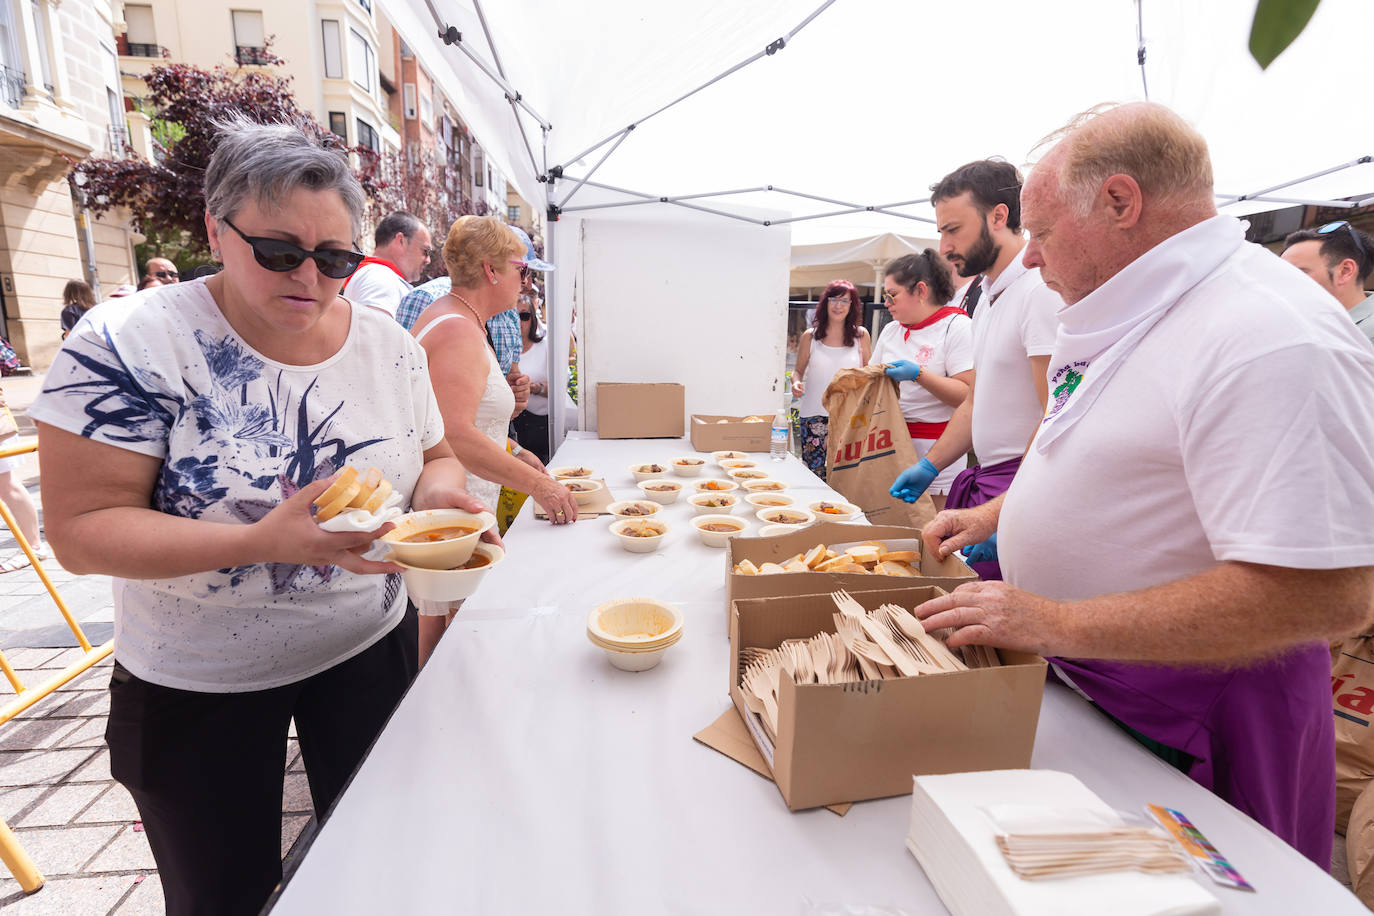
(162, 373)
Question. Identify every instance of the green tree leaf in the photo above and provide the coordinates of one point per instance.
(1276, 25)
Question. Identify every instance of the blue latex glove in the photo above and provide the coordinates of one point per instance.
(986, 552)
(903, 370)
(912, 482)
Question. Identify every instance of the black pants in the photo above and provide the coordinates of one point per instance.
(206, 769)
(532, 432)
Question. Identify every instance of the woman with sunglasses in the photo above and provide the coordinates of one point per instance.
(184, 434)
(532, 425)
(834, 341)
(487, 271)
(930, 346)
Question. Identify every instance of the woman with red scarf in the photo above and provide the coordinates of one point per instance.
(929, 344)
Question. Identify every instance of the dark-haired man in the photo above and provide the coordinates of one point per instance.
(978, 213)
(1340, 258)
(399, 258)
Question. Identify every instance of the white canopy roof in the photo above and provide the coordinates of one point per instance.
(860, 261)
(875, 99)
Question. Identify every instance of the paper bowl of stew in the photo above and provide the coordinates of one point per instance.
(583, 491)
(639, 535)
(764, 485)
(716, 530)
(786, 515)
(768, 500)
(660, 490)
(713, 503)
(451, 584)
(572, 470)
(835, 511)
(437, 538)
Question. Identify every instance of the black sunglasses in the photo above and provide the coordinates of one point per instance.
(526, 316)
(279, 256)
(1354, 236)
(167, 275)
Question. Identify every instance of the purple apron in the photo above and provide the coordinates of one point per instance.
(978, 485)
(1263, 735)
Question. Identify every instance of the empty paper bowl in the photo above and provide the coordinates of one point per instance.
(437, 542)
(571, 471)
(714, 503)
(633, 508)
(583, 491)
(768, 500)
(688, 466)
(726, 456)
(764, 485)
(834, 510)
(716, 530)
(639, 535)
(450, 584)
(634, 632)
(786, 515)
(660, 490)
(715, 486)
(644, 472)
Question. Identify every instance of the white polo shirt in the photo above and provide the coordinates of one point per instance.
(1019, 324)
(378, 286)
(945, 348)
(1240, 428)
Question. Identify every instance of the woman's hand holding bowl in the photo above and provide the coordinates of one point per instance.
(290, 534)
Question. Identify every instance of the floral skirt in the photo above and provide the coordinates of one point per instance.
(812, 433)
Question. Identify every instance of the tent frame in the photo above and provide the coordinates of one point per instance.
(550, 175)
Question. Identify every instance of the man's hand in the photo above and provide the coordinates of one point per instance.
(903, 370)
(1001, 615)
(953, 529)
(520, 384)
(912, 482)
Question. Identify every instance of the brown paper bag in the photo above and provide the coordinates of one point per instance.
(869, 446)
(1352, 702)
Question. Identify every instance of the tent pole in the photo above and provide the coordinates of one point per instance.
(877, 299)
(1335, 168)
(1227, 199)
(496, 58)
(558, 338)
(577, 187)
(451, 36)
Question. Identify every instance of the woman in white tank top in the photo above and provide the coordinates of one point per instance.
(484, 260)
(834, 341)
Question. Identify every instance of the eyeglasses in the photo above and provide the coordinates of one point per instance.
(526, 316)
(166, 274)
(280, 257)
(1354, 236)
(429, 251)
(889, 295)
(524, 269)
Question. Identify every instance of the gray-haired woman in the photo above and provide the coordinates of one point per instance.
(184, 432)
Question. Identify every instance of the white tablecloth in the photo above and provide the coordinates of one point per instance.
(523, 774)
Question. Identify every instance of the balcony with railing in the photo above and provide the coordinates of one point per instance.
(247, 54)
(117, 141)
(12, 83)
(142, 49)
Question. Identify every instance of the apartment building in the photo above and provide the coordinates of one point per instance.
(331, 49)
(59, 101)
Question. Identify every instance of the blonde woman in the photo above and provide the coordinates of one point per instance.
(485, 261)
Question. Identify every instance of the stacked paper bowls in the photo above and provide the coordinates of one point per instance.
(635, 632)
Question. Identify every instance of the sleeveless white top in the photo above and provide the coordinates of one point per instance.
(493, 414)
(821, 367)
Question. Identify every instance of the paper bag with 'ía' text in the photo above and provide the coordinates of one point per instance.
(868, 446)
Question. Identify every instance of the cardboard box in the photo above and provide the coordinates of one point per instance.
(711, 435)
(639, 411)
(949, 573)
(849, 742)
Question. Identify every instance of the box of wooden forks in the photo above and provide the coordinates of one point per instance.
(846, 697)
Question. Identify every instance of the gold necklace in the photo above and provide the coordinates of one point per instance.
(469, 305)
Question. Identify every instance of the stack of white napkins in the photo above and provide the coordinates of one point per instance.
(954, 831)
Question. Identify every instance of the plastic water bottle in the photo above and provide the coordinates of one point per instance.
(778, 447)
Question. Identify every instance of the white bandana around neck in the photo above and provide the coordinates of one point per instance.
(1100, 330)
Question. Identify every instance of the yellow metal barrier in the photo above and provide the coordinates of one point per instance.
(11, 853)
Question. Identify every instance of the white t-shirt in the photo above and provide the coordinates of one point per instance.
(1006, 333)
(822, 364)
(378, 286)
(164, 375)
(945, 348)
(1241, 428)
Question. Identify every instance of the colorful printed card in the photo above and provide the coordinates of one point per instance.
(1199, 847)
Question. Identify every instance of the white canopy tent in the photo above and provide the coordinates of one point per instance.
(860, 261)
(857, 106)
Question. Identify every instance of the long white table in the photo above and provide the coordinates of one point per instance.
(524, 774)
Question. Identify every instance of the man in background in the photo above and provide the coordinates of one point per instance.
(161, 270)
(1339, 257)
(399, 258)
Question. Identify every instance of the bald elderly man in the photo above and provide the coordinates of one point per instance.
(1195, 516)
